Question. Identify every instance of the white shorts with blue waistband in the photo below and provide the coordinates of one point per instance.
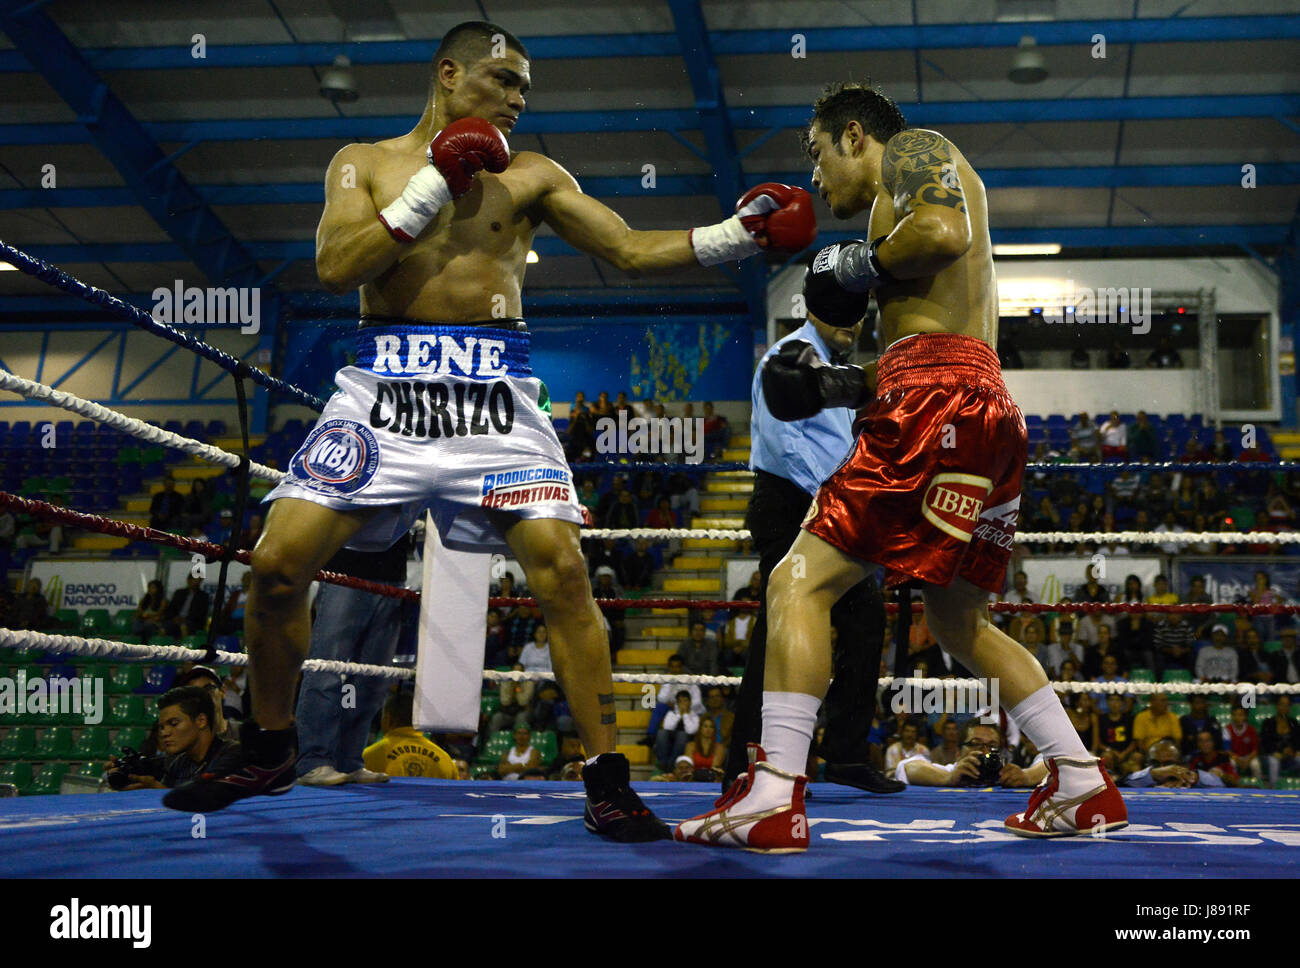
(438, 417)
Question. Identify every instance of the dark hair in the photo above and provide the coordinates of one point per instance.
(398, 708)
(678, 656)
(471, 41)
(972, 724)
(198, 672)
(682, 692)
(193, 702)
(843, 102)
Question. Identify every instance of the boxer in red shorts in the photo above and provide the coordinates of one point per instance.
(931, 489)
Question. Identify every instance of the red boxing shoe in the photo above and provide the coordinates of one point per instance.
(763, 812)
(1077, 797)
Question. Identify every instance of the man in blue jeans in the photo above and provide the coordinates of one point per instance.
(350, 626)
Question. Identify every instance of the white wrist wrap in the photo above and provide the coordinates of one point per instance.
(416, 207)
(724, 242)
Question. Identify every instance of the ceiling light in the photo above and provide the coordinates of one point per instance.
(337, 83)
(531, 257)
(1037, 248)
(1028, 66)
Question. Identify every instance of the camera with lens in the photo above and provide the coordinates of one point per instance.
(990, 769)
(131, 763)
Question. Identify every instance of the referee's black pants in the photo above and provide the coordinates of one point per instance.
(776, 510)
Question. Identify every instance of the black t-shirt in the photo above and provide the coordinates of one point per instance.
(1115, 733)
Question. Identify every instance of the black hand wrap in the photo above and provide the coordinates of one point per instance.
(797, 384)
(825, 297)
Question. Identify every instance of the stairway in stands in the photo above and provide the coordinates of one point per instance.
(697, 571)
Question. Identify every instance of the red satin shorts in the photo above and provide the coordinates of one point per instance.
(931, 489)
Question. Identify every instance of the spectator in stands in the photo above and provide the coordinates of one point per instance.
(1064, 647)
(723, 718)
(1208, 758)
(605, 588)
(1184, 500)
(1175, 644)
(948, 751)
(1211, 502)
(1193, 452)
(1115, 740)
(516, 696)
(1264, 594)
(570, 751)
(705, 751)
(351, 626)
(639, 566)
(1165, 770)
(623, 513)
(1114, 438)
(588, 496)
(1217, 662)
(1170, 525)
(1135, 640)
(684, 495)
(536, 655)
(248, 537)
(1253, 663)
(716, 432)
(1279, 738)
(699, 651)
(1221, 450)
(187, 612)
(231, 619)
(1286, 660)
(736, 635)
(148, 618)
(1142, 443)
(1165, 357)
(622, 406)
(1124, 488)
(40, 534)
(581, 437)
(907, 746)
(494, 646)
(1242, 742)
(1198, 719)
(521, 757)
(662, 516)
(605, 554)
(1108, 672)
(1132, 593)
(1083, 717)
(607, 500)
(1157, 722)
(1117, 357)
(188, 746)
(683, 771)
(678, 725)
(1085, 437)
(198, 505)
(550, 710)
(167, 508)
(602, 407)
(225, 526)
(1280, 515)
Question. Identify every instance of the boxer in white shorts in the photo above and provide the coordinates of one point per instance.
(441, 409)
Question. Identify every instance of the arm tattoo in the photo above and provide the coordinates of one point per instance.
(918, 169)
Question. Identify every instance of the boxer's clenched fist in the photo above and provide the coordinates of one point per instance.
(797, 384)
(770, 215)
(457, 153)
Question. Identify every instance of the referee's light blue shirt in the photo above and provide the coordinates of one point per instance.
(805, 452)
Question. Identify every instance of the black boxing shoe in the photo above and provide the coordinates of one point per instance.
(264, 767)
(864, 776)
(613, 809)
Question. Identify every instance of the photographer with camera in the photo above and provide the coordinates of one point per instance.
(187, 746)
(980, 764)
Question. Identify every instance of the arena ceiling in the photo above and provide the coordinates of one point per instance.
(174, 166)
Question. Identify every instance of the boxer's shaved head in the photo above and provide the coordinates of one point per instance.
(844, 102)
(470, 42)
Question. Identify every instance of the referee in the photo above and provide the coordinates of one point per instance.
(790, 460)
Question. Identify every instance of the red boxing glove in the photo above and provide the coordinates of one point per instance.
(464, 148)
(779, 215)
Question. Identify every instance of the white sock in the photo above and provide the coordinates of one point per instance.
(1042, 718)
(789, 719)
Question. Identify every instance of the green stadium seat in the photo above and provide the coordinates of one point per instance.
(489, 703)
(132, 736)
(18, 743)
(546, 744)
(125, 711)
(194, 641)
(1180, 708)
(1249, 781)
(121, 622)
(480, 770)
(125, 679)
(48, 780)
(1178, 675)
(1137, 674)
(149, 713)
(53, 744)
(128, 455)
(32, 487)
(92, 744)
(94, 621)
(495, 747)
(17, 773)
(67, 617)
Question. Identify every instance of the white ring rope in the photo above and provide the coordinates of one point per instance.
(129, 425)
(1035, 537)
(155, 435)
(76, 645)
